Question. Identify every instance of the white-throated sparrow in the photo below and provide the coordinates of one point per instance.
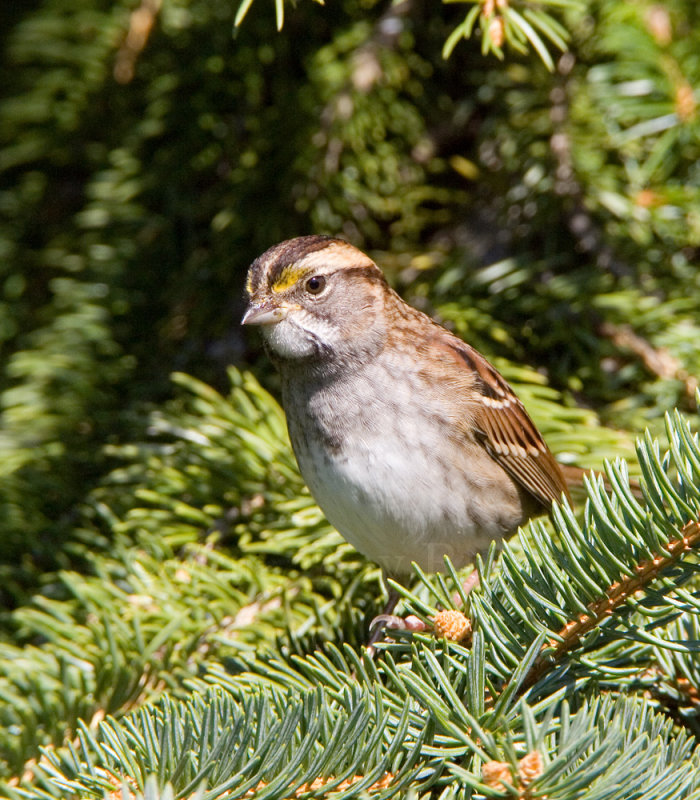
(412, 444)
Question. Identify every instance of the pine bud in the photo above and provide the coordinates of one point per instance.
(452, 624)
(659, 24)
(496, 773)
(497, 31)
(530, 767)
(685, 101)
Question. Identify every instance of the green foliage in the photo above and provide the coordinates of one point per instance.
(276, 744)
(168, 614)
(270, 743)
(644, 113)
(520, 25)
(180, 619)
(160, 596)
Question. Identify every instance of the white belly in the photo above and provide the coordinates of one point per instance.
(392, 499)
(392, 472)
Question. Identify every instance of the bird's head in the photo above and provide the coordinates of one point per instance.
(316, 297)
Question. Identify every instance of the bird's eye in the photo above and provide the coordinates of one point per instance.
(316, 284)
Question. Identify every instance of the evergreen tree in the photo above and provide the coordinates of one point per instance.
(180, 619)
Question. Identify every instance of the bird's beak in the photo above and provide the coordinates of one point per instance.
(264, 313)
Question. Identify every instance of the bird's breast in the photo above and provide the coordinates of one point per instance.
(392, 474)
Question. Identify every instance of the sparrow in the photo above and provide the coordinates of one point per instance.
(413, 445)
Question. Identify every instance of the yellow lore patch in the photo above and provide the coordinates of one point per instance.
(290, 275)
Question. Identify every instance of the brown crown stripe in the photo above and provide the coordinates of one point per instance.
(269, 266)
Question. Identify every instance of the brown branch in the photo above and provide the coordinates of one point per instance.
(141, 23)
(687, 694)
(572, 633)
(656, 359)
(690, 693)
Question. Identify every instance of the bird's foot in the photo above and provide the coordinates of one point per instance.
(392, 622)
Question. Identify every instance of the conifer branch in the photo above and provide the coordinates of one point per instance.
(675, 694)
(384, 782)
(571, 634)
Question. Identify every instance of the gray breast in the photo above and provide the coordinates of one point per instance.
(387, 477)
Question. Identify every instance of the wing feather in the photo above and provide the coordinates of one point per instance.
(508, 433)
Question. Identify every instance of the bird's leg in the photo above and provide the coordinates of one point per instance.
(383, 620)
(387, 620)
(390, 621)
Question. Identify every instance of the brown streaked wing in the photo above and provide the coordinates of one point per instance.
(508, 433)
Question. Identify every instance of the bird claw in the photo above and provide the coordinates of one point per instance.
(392, 622)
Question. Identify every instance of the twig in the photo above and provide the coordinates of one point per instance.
(141, 23)
(656, 359)
(572, 633)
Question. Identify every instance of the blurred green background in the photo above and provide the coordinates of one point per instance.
(150, 150)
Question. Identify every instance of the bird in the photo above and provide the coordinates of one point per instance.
(413, 445)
